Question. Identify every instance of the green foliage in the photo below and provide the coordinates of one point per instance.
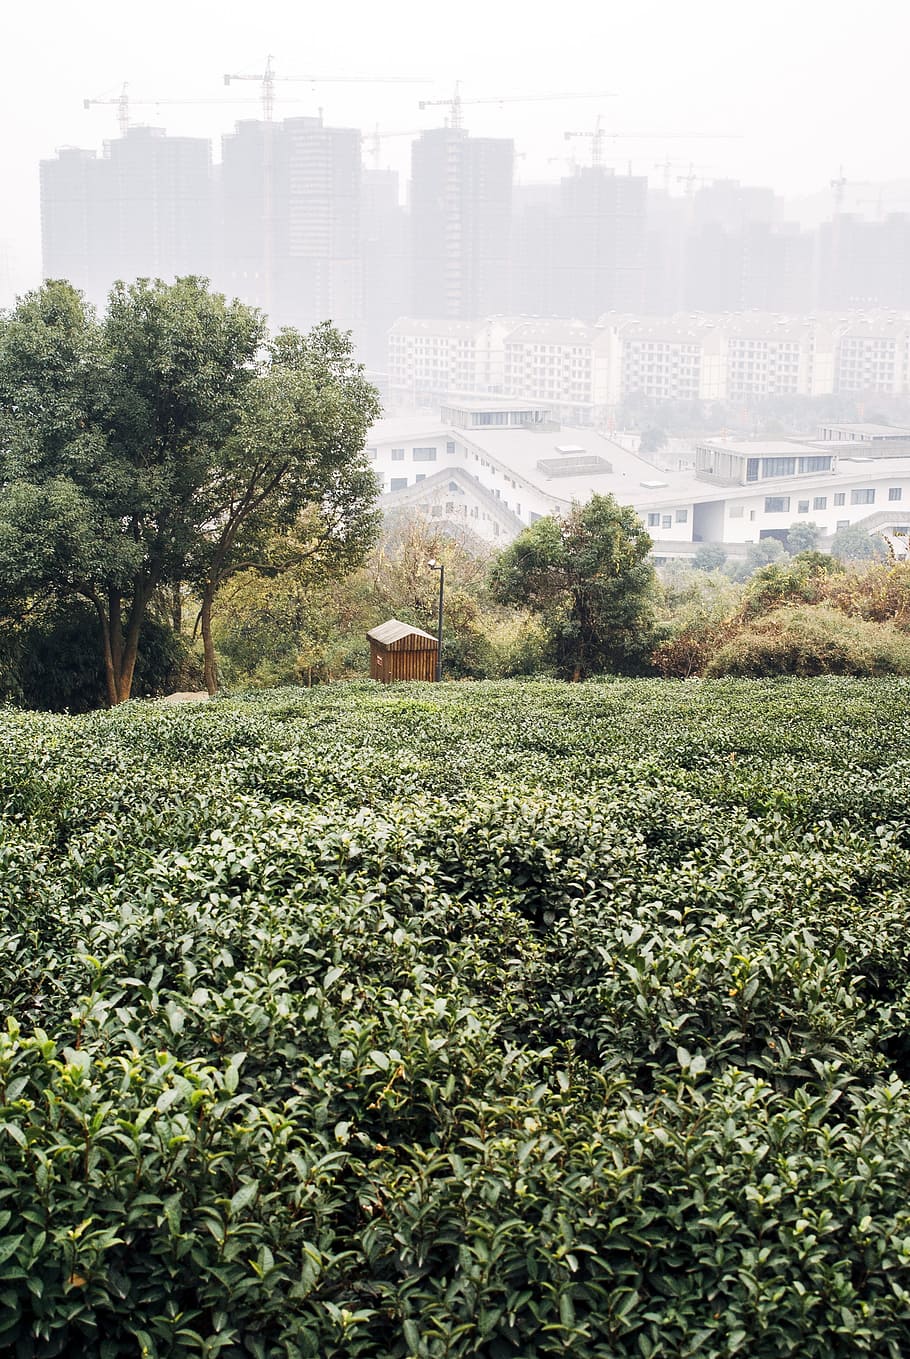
(465, 1021)
(589, 579)
(709, 557)
(653, 440)
(165, 442)
(854, 544)
(802, 537)
(763, 553)
(53, 660)
(802, 579)
(813, 641)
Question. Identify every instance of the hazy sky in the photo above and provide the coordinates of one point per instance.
(805, 85)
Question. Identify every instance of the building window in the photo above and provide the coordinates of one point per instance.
(820, 502)
(653, 521)
(863, 497)
(450, 447)
(423, 454)
(840, 499)
(802, 507)
(819, 463)
(398, 483)
(682, 516)
(736, 511)
(777, 504)
(421, 476)
(751, 516)
(667, 521)
(894, 492)
(371, 454)
(778, 467)
(436, 511)
(843, 523)
(397, 455)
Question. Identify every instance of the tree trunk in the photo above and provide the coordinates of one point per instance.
(210, 665)
(110, 675)
(119, 652)
(130, 646)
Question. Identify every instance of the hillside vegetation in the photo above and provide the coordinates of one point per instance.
(507, 1019)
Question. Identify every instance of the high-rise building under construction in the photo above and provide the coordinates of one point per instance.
(144, 208)
(290, 208)
(461, 221)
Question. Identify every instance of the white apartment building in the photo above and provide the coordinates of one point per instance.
(873, 354)
(778, 356)
(427, 358)
(573, 367)
(583, 372)
(678, 359)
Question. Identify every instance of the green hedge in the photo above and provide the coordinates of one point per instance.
(475, 1020)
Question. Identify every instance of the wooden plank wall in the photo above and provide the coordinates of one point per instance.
(402, 662)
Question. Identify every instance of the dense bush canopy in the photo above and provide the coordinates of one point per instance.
(476, 1020)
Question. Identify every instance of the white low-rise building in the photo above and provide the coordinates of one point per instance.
(493, 467)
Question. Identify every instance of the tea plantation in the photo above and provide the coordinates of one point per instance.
(493, 1020)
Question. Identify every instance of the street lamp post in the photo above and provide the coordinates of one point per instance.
(435, 565)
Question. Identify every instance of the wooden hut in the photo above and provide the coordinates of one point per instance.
(401, 652)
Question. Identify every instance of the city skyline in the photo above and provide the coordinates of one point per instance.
(774, 83)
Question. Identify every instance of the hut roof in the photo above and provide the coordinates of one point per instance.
(394, 630)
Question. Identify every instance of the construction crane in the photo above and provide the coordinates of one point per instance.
(600, 135)
(124, 105)
(376, 137)
(690, 179)
(842, 184)
(456, 103)
(839, 185)
(267, 78)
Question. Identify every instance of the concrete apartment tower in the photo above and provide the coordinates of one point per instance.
(143, 209)
(290, 207)
(601, 260)
(461, 217)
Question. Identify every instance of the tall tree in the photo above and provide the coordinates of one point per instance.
(292, 485)
(139, 449)
(589, 578)
(107, 433)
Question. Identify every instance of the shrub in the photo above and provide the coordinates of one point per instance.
(54, 663)
(802, 579)
(855, 544)
(709, 557)
(812, 641)
(472, 1021)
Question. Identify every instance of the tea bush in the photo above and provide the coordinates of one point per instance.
(506, 1019)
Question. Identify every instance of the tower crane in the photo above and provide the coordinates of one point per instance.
(600, 135)
(267, 78)
(690, 179)
(456, 104)
(124, 105)
(376, 137)
(122, 102)
(842, 184)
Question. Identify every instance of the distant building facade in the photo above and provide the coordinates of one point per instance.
(144, 208)
(488, 469)
(583, 371)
